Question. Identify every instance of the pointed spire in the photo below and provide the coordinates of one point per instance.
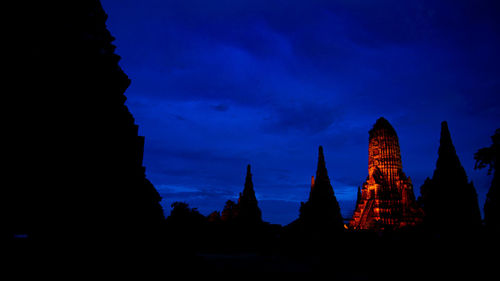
(248, 210)
(322, 187)
(321, 172)
(248, 192)
(445, 143)
(449, 192)
(448, 161)
(248, 179)
(321, 211)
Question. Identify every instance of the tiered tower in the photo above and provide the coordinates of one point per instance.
(322, 211)
(449, 200)
(248, 209)
(387, 200)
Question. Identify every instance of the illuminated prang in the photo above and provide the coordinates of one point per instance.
(387, 200)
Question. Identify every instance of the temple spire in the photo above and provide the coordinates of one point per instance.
(446, 147)
(248, 191)
(248, 210)
(386, 200)
(448, 162)
(322, 210)
(321, 157)
(445, 134)
(248, 178)
(449, 200)
(321, 172)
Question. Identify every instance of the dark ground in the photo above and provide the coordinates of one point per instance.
(353, 256)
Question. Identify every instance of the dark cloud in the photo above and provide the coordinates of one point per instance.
(220, 107)
(306, 117)
(198, 154)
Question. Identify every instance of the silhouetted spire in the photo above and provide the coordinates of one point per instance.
(322, 211)
(322, 187)
(449, 200)
(248, 209)
(248, 191)
(321, 172)
(448, 165)
(445, 140)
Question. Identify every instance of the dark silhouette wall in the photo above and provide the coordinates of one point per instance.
(76, 154)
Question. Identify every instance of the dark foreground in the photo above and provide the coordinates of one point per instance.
(368, 256)
(350, 256)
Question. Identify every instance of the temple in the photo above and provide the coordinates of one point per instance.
(321, 212)
(248, 209)
(387, 200)
(448, 199)
(70, 89)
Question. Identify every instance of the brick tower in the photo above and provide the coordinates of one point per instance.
(387, 200)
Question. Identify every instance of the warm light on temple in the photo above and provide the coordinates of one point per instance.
(387, 199)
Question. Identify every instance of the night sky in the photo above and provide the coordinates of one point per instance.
(217, 85)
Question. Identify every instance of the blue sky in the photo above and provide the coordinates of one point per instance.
(217, 85)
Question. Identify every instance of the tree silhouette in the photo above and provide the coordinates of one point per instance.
(214, 217)
(230, 211)
(183, 217)
(484, 157)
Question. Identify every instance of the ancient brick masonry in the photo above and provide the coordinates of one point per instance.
(387, 200)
